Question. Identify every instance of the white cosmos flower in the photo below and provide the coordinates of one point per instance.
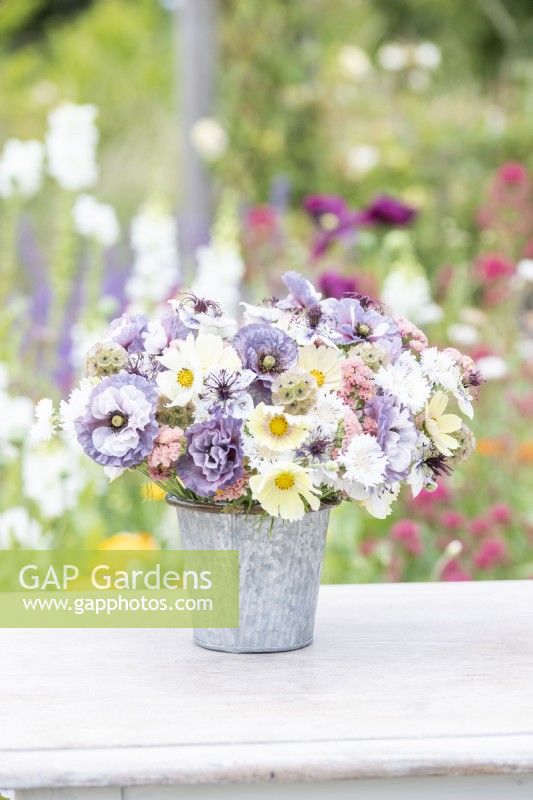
(323, 363)
(405, 380)
(187, 362)
(276, 429)
(364, 461)
(282, 488)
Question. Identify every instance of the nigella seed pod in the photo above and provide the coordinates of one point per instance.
(295, 390)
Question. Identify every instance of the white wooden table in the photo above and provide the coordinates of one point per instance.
(418, 691)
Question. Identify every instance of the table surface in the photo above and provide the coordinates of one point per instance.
(410, 679)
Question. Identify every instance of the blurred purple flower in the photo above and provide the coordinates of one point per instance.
(214, 455)
(333, 218)
(386, 210)
(118, 427)
(333, 284)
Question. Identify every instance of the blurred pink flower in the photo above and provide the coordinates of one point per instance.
(367, 546)
(426, 499)
(479, 526)
(512, 172)
(501, 513)
(407, 532)
(492, 553)
(453, 571)
(452, 520)
(493, 266)
(334, 284)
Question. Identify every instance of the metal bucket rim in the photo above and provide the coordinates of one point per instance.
(206, 508)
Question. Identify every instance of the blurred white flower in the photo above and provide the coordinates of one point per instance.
(408, 294)
(96, 220)
(18, 528)
(16, 419)
(524, 270)
(427, 55)
(71, 146)
(209, 138)
(44, 427)
(219, 275)
(156, 268)
(360, 159)
(418, 80)
(492, 368)
(353, 62)
(21, 168)
(393, 56)
(53, 478)
(463, 334)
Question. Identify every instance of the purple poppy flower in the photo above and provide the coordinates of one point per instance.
(395, 432)
(128, 331)
(214, 455)
(118, 426)
(160, 333)
(320, 205)
(386, 210)
(333, 284)
(352, 322)
(302, 293)
(266, 351)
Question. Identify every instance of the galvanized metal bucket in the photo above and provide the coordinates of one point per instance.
(279, 570)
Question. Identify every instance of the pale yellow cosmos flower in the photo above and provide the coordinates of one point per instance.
(439, 425)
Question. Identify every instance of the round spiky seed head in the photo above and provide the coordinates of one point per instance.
(105, 358)
(174, 416)
(295, 390)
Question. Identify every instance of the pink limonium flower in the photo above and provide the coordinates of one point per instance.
(412, 336)
(453, 571)
(352, 427)
(407, 532)
(357, 382)
(501, 513)
(168, 446)
(233, 491)
(492, 553)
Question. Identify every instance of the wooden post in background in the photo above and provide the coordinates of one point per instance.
(196, 64)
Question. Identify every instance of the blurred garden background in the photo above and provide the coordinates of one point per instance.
(376, 146)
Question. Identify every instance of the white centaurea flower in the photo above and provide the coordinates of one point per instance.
(45, 425)
(405, 380)
(364, 461)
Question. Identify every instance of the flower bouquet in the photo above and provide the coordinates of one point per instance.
(308, 403)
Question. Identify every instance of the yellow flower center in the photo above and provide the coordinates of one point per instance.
(118, 420)
(318, 376)
(278, 426)
(284, 480)
(185, 378)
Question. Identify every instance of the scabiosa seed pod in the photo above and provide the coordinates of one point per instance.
(174, 416)
(105, 358)
(294, 390)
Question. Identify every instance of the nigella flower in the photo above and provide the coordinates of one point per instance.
(214, 455)
(160, 333)
(266, 351)
(225, 391)
(318, 447)
(118, 427)
(199, 312)
(395, 432)
(309, 318)
(128, 331)
(353, 323)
